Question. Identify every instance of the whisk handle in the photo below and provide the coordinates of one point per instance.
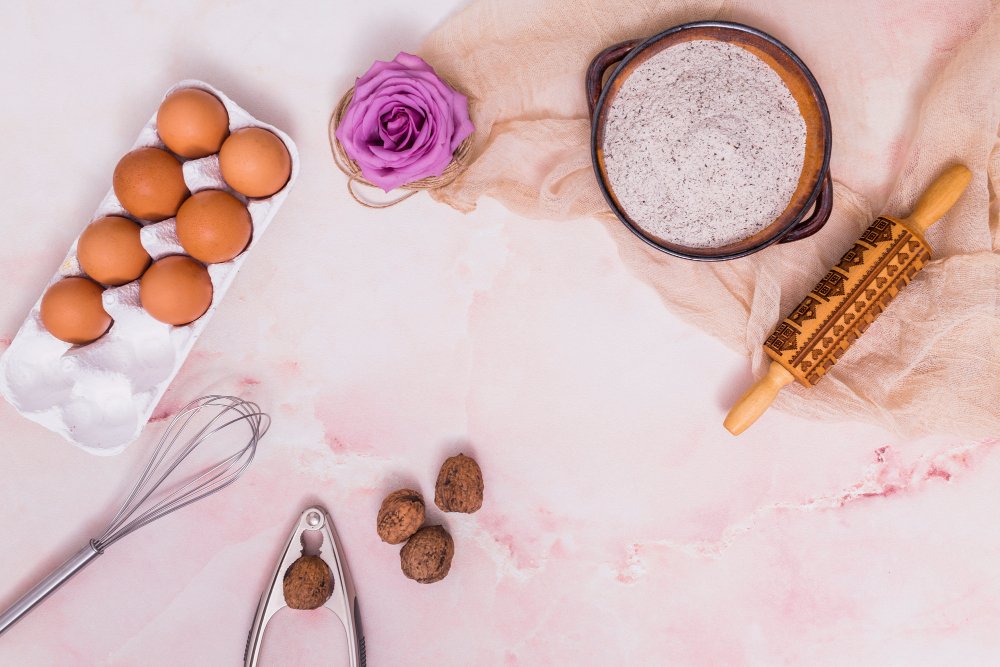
(46, 586)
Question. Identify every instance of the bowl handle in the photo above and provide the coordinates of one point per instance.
(821, 213)
(604, 60)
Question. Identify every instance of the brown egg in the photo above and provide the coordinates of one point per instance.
(72, 311)
(192, 123)
(110, 252)
(255, 162)
(149, 183)
(214, 226)
(176, 290)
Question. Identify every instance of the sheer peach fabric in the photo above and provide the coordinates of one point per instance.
(912, 86)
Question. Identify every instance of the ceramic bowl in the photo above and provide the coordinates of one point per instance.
(810, 205)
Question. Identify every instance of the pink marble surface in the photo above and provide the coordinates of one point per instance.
(622, 525)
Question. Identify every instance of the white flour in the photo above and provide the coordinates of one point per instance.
(704, 144)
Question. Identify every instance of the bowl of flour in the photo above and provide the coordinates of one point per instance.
(711, 140)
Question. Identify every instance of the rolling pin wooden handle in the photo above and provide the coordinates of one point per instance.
(757, 399)
(939, 197)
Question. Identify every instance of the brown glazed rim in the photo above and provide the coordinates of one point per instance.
(814, 187)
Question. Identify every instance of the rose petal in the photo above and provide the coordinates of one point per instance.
(415, 109)
(463, 124)
(398, 129)
(376, 77)
(381, 138)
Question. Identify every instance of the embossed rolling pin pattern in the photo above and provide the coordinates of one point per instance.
(807, 343)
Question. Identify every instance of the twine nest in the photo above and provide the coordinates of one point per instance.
(459, 160)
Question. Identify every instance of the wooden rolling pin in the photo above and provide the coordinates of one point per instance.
(848, 299)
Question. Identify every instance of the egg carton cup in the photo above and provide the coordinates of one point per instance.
(100, 396)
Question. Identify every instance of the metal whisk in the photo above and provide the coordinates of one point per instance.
(153, 496)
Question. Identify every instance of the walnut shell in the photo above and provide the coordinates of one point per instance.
(459, 485)
(401, 514)
(426, 557)
(308, 583)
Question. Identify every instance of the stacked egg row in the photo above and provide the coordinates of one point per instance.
(212, 226)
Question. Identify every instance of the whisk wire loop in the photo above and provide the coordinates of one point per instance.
(149, 501)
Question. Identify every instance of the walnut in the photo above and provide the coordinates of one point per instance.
(459, 485)
(401, 514)
(426, 557)
(308, 583)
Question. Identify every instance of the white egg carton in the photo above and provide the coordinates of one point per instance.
(100, 396)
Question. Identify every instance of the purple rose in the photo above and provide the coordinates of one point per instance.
(403, 123)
